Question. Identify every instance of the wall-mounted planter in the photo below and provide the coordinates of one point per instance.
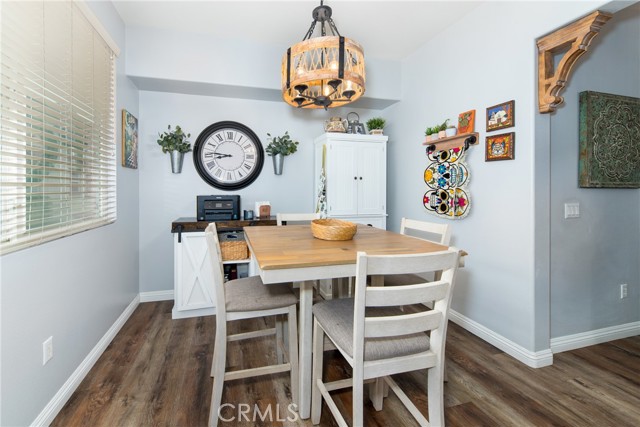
(278, 163)
(176, 161)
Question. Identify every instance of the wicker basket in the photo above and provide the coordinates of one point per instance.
(232, 251)
(333, 229)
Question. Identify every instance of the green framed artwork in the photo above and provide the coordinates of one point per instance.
(129, 140)
(609, 141)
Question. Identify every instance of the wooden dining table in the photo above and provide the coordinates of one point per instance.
(292, 254)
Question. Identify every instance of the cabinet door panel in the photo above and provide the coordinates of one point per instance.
(341, 179)
(193, 273)
(372, 179)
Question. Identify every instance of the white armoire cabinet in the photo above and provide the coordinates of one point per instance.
(355, 168)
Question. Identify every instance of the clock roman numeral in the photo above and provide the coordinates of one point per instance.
(218, 173)
(229, 176)
(250, 156)
(209, 154)
(230, 136)
(211, 164)
(247, 166)
(220, 137)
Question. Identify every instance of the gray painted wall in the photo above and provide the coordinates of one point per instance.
(72, 289)
(468, 66)
(592, 255)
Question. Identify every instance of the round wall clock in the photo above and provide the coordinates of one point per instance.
(228, 155)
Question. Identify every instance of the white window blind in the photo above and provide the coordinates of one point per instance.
(57, 123)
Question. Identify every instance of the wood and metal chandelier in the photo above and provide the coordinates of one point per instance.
(323, 72)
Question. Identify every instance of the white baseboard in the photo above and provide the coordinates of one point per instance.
(598, 336)
(156, 296)
(537, 359)
(58, 401)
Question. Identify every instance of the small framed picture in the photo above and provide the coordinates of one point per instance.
(129, 140)
(501, 116)
(500, 147)
(466, 121)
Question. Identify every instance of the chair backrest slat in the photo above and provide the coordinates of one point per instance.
(441, 232)
(406, 295)
(410, 264)
(296, 218)
(385, 326)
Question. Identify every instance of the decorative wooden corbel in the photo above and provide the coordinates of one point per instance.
(573, 40)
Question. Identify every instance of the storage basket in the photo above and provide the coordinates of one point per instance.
(333, 229)
(233, 246)
(232, 251)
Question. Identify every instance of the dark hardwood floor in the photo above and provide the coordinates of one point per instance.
(156, 373)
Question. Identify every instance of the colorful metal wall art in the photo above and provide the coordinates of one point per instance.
(447, 177)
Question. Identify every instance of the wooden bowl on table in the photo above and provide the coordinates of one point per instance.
(333, 229)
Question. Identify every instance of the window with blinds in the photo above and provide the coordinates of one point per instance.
(57, 123)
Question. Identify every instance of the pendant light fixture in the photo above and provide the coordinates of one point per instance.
(323, 72)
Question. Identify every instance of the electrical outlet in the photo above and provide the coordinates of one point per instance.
(47, 350)
(623, 291)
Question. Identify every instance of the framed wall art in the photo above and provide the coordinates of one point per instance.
(501, 116)
(500, 147)
(129, 140)
(466, 121)
(609, 141)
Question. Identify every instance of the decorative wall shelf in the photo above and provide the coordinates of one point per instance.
(571, 41)
(454, 141)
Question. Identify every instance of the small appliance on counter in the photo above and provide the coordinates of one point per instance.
(218, 208)
(263, 209)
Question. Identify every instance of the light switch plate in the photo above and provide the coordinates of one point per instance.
(571, 210)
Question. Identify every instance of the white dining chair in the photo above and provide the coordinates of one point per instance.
(431, 231)
(247, 298)
(378, 339)
(283, 219)
(296, 218)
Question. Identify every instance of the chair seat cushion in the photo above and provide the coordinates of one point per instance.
(250, 294)
(336, 318)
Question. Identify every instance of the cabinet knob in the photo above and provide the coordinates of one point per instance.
(360, 178)
(355, 177)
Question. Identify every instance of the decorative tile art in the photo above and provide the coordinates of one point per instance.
(609, 141)
(446, 177)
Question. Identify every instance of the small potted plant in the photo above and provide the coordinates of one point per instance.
(451, 130)
(429, 134)
(175, 143)
(442, 129)
(376, 125)
(279, 147)
(434, 132)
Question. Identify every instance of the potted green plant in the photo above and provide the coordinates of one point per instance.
(451, 130)
(434, 132)
(429, 134)
(376, 125)
(278, 148)
(175, 143)
(442, 129)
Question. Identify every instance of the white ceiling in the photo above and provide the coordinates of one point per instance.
(386, 29)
